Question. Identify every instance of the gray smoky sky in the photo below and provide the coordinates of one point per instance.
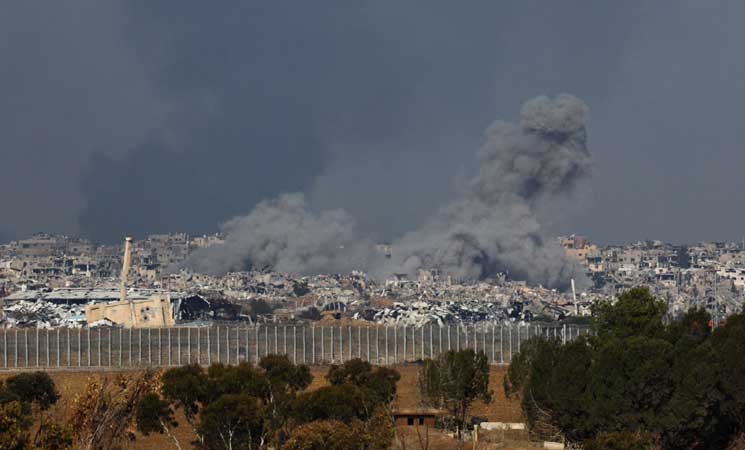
(139, 117)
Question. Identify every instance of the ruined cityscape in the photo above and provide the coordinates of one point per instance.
(49, 280)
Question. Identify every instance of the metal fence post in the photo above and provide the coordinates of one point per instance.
(80, 348)
(493, 340)
(501, 344)
(413, 343)
(323, 353)
(304, 331)
(199, 346)
(99, 347)
(170, 351)
(257, 343)
(395, 344)
(209, 348)
(439, 339)
(476, 339)
(367, 333)
(15, 347)
(313, 344)
(121, 348)
(510, 332)
(449, 347)
(332, 345)
(431, 347)
(46, 334)
(25, 348)
(178, 346)
(404, 355)
(377, 344)
(341, 345)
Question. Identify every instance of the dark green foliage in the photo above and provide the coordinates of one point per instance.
(20, 397)
(635, 313)
(454, 380)
(282, 373)
(354, 371)
(36, 388)
(233, 421)
(342, 402)
(379, 382)
(185, 387)
(245, 404)
(638, 383)
(153, 415)
(240, 379)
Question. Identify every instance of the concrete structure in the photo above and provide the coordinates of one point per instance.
(155, 311)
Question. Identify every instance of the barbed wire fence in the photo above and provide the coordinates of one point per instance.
(131, 348)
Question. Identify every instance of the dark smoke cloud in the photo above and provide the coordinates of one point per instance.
(493, 228)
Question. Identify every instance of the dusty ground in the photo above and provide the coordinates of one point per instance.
(70, 384)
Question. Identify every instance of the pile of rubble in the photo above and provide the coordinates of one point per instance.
(422, 313)
(41, 314)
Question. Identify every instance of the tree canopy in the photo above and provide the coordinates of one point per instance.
(640, 378)
(454, 380)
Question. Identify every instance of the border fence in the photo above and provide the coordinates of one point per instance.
(131, 348)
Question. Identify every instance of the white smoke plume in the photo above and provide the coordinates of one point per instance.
(494, 227)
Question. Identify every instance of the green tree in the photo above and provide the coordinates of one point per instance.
(379, 382)
(342, 402)
(36, 388)
(636, 312)
(233, 421)
(154, 415)
(639, 383)
(454, 380)
(185, 387)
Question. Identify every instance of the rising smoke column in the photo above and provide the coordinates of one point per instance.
(494, 227)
